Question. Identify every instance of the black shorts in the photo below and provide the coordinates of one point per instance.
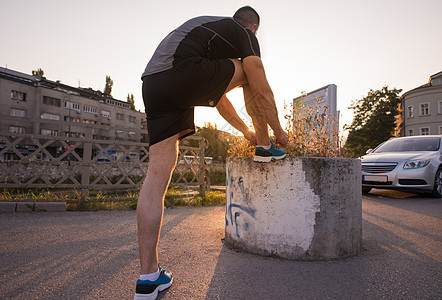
(170, 96)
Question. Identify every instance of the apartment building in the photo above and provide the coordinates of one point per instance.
(422, 108)
(43, 107)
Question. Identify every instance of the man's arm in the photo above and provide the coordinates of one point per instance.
(260, 100)
(228, 112)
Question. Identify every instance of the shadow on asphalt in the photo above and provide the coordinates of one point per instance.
(400, 260)
(416, 203)
(54, 261)
(385, 193)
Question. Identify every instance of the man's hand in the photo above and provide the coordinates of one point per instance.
(282, 138)
(251, 137)
(227, 111)
(260, 101)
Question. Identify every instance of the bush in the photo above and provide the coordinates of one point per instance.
(213, 198)
(311, 134)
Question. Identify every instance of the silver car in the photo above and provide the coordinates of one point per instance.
(408, 163)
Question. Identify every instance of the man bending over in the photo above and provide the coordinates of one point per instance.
(196, 65)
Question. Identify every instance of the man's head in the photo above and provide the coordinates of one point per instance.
(248, 17)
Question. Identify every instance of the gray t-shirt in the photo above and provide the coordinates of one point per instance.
(208, 37)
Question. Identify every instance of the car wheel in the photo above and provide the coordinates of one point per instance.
(366, 190)
(437, 190)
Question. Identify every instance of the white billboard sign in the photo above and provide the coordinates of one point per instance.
(325, 96)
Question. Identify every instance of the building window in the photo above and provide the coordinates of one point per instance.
(85, 121)
(440, 130)
(424, 109)
(73, 134)
(120, 116)
(117, 103)
(18, 96)
(410, 112)
(17, 112)
(51, 101)
(90, 109)
(440, 107)
(71, 119)
(425, 131)
(105, 113)
(132, 119)
(48, 116)
(50, 132)
(16, 129)
(72, 105)
(100, 137)
(410, 132)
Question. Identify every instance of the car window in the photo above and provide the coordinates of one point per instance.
(409, 144)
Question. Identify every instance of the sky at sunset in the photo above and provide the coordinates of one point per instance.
(305, 45)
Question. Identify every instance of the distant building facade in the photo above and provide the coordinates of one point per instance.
(40, 106)
(422, 108)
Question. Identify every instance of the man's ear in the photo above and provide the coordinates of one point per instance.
(254, 28)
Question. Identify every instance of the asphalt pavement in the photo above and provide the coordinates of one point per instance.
(94, 255)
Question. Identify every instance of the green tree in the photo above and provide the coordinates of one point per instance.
(108, 87)
(374, 120)
(38, 73)
(218, 146)
(131, 101)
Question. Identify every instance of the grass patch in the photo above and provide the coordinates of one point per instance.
(105, 201)
(212, 198)
(111, 200)
(35, 194)
(176, 197)
(91, 205)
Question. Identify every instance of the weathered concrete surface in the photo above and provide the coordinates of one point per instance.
(94, 255)
(297, 208)
(50, 206)
(25, 206)
(7, 206)
(40, 206)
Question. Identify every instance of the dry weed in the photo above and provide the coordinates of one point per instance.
(312, 133)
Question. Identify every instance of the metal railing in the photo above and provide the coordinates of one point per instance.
(41, 161)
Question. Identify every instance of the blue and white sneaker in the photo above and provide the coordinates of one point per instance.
(148, 290)
(274, 153)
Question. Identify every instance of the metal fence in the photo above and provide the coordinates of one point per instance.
(40, 161)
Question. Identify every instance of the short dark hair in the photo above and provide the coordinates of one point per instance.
(247, 15)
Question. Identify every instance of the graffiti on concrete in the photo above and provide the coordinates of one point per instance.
(233, 210)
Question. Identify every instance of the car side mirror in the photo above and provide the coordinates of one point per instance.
(369, 151)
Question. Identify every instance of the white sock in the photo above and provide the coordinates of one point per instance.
(265, 147)
(151, 277)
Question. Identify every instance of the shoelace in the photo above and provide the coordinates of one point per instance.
(274, 146)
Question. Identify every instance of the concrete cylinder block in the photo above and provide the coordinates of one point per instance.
(299, 208)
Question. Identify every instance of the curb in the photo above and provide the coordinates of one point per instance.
(8, 206)
(32, 206)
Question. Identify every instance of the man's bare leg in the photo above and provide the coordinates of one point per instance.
(260, 100)
(162, 161)
(258, 118)
(262, 111)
